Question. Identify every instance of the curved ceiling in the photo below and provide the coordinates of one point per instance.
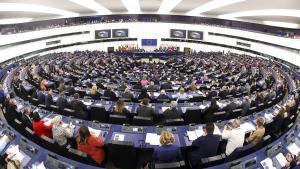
(257, 11)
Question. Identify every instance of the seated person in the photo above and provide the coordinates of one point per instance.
(151, 87)
(230, 107)
(62, 102)
(257, 135)
(26, 117)
(41, 97)
(204, 146)
(209, 116)
(144, 109)
(48, 98)
(172, 112)
(167, 152)
(182, 95)
(143, 94)
(193, 87)
(39, 127)
(127, 94)
(123, 85)
(11, 110)
(144, 81)
(110, 93)
(166, 86)
(163, 96)
(278, 121)
(120, 108)
(94, 93)
(234, 135)
(245, 105)
(293, 161)
(60, 133)
(79, 108)
(90, 144)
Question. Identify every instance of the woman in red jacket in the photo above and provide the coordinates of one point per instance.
(39, 127)
(92, 145)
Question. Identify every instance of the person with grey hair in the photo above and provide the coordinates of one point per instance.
(234, 135)
(163, 96)
(61, 133)
(151, 87)
(172, 112)
(127, 94)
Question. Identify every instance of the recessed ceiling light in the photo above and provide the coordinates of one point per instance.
(282, 24)
(133, 6)
(93, 5)
(14, 20)
(214, 4)
(7, 7)
(167, 6)
(263, 12)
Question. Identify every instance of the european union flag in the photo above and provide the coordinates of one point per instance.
(149, 42)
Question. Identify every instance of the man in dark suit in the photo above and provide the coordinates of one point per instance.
(109, 93)
(204, 146)
(166, 86)
(79, 108)
(61, 102)
(41, 97)
(144, 110)
(26, 117)
(48, 98)
(71, 90)
(172, 112)
(231, 106)
(163, 96)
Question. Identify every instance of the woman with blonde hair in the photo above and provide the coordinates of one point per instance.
(167, 151)
(120, 108)
(181, 95)
(94, 93)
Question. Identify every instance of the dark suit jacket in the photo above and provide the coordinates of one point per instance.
(79, 108)
(202, 147)
(41, 97)
(110, 94)
(172, 114)
(245, 107)
(163, 97)
(26, 121)
(231, 106)
(61, 103)
(145, 111)
(48, 100)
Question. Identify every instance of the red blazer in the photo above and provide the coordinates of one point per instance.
(93, 148)
(41, 129)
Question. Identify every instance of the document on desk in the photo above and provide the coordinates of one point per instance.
(293, 148)
(217, 131)
(119, 137)
(281, 160)
(164, 108)
(202, 106)
(192, 135)
(155, 94)
(267, 163)
(95, 131)
(88, 103)
(47, 121)
(268, 117)
(152, 139)
(247, 126)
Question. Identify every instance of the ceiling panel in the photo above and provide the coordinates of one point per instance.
(150, 5)
(113, 5)
(187, 5)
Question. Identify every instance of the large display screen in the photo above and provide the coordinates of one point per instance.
(102, 34)
(149, 42)
(177, 33)
(120, 33)
(197, 35)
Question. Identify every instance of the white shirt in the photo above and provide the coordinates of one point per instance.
(235, 138)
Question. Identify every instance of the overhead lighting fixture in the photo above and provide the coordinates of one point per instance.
(14, 20)
(214, 4)
(263, 12)
(20, 7)
(93, 5)
(167, 6)
(133, 6)
(282, 24)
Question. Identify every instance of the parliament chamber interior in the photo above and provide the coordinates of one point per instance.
(149, 84)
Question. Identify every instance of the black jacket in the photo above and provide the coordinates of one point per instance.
(145, 111)
(79, 108)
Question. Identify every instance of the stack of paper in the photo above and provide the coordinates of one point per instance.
(202, 106)
(152, 139)
(268, 116)
(217, 131)
(293, 148)
(94, 131)
(193, 135)
(88, 103)
(47, 121)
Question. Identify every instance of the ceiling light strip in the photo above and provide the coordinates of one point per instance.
(167, 6)
(133, 6)
(93, 5)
